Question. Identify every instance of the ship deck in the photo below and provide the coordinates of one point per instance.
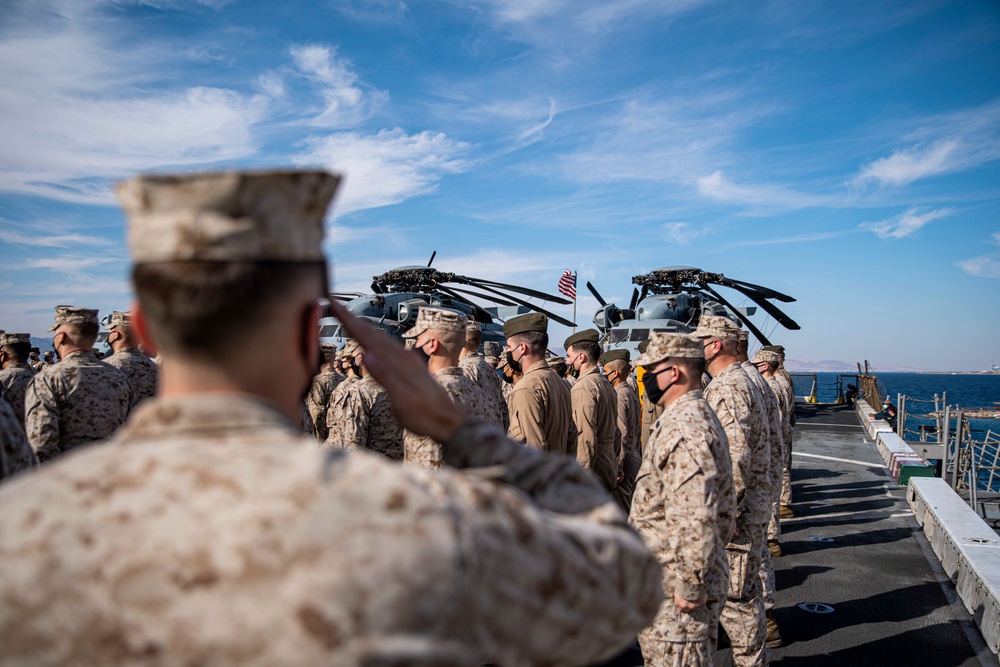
(853, 545)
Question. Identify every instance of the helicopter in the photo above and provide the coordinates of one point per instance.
(398, 295)
(674, 298)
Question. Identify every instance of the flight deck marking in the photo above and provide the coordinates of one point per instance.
(826, 424)
(834, 458)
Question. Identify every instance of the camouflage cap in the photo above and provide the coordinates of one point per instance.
(643, 346)
(49, 353)
(351, 348)
(443, 319)
(780, 349)
(713, 326)
(326, 349)
(579, 336)
(504, 358)
(552, 362)
(743, 336)
(612, 355)
(14, 338)
(491, 348)
(766, 356)
(526, 323)
(73, 315)
(664, 345)
(120, 319)
(227, 216)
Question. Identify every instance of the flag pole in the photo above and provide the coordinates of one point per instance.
(574, 302)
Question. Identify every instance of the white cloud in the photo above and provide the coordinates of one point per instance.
(910, 164)
(51, 241)
(905, 224)
(982, 267)
(772, 197)
(682, 233)
(996, 238)
(385, 168)
(346, 102)
(534, 19)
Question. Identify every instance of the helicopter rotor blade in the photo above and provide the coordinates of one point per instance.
(767, 292)
(527, 304)
(769, 308)
(635, 299)
(378, 289)
(494, 299)
(481, 315)
(597, 295)
(433, 255)
(527, 291)
(750, 325)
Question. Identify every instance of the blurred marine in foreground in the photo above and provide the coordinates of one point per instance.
(209, 530)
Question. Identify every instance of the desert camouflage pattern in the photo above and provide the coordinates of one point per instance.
(361, 418)
(15, 452)
(14, 385)
(684, 508)
(595, 413)
(476, 369)
(79, 400)
(776, 446)
(541, 411)
(210, 532)
(774, 527)
(423, 451)
(141, 371)
(786, 473)
(317, 401)
(73, 315)
(680, 654)
(507, 390)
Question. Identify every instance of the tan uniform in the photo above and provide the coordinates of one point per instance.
(541, 412)
(786, 473)
(595, 413)
(739, 407)
(361, 418)
(423, 451)
(476, 369)
(140, 370)
(79, 400)
(14, 385)
(649, 413)
(684, 508)
(318, 401)
(208, 532)
(15, 452)
(629, 454)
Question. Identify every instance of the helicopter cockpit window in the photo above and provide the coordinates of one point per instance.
(328, 331)
(618, 336)
(639, 335)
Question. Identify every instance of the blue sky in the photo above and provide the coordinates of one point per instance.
(845, 153)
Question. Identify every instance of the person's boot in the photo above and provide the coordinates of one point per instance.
(773, 639)
(774, 548)
(786, 512)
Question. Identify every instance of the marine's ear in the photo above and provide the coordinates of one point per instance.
(141, 327)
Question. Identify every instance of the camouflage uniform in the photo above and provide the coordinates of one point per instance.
(684, 508)
(739, 407)
(541, 412)
(14, 385)
(595, 413)
(786, 474)
(475, 367)
(15, 452)
(361, 418)
(209, 532)
(140, 370)
(630, 458)
(318, 401)
(79, 400)
(423, 451)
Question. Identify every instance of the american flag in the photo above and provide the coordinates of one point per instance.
(567, 284)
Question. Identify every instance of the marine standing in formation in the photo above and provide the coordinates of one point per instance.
(79, 400)
(785, 379)
(141, 371)
(739, 407)
(317, 401)
(617, 370)
(208, 531)
(439, 333)
(16, 373)
(595, 409)
(473, 363)
(541, 412)
(684, 505)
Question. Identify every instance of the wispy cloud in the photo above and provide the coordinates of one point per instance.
(346, 101)
(761, 196)
(387, 167)
(682, 233)
(798, 238)
(905, 224)
(52, 241)
(987, 266)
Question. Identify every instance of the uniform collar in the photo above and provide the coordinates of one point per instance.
(204, 414)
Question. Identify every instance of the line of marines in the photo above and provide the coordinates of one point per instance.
(547, 509)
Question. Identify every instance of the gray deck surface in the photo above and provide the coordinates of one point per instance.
(889, 608)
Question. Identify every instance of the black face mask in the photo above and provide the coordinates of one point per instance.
(573, 371)
(515, 364)
(509, 379)
(652, 387)
(355, 367)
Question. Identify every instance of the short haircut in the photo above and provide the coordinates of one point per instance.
(201, 308)
(82, 333)
(36, 350)
(537, 341)
(742, 346)
(693, 366)
(559, 368)
(127, 333)
(473, 337)
(18, 351)
(770, 366)
(589, 348)
(451, 341)
(728, 345)
(619, 365)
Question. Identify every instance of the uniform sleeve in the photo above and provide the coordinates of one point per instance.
(736, 429)
(15, 452)
(556, 555)
(526, 416)
(622, 418)
(41, 418)
(586, 427)
(316, 405)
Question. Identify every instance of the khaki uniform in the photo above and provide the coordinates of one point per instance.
(629, 455)
(209, 532)
(14, 385)
(684, 508)
(318, 402)
(541, 412)
(423, 451)
(79, 400)
(476, 369)
(37, 365)
(739, 406)
(15, 452)
(361, 418)
(595, 413)
(649, 413)
(141, 371)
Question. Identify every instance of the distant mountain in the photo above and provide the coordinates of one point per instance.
(41, 343)
(837, 366)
